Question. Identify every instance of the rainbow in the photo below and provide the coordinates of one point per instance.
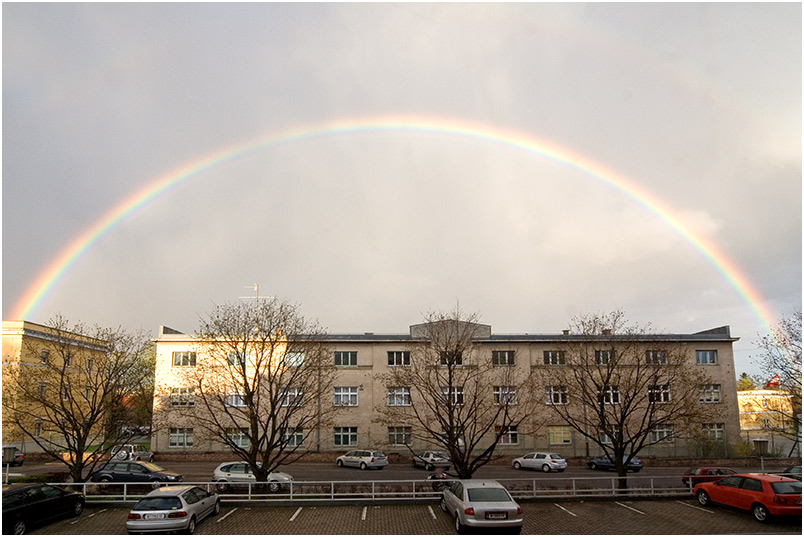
(517, 140)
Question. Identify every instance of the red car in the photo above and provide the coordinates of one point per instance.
(694, 476)
(762, 494)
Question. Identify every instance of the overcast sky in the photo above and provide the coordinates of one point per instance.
(698, 104)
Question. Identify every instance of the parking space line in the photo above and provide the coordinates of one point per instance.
(363, 516)
(432, 514)
(694, 506)
(565, 509)
(631, 508)
(296, 514)
(227, 514)
(97, 513)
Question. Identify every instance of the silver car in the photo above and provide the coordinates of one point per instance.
(363, 459)
(481, 503)
(176, 507)
(132, 452)
(545, 462)
(429, 460)
(240, 472)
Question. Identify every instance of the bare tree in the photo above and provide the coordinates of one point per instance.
(459, 399)
(262, 372)
(623, 388)
(64, 391)
(781, 357)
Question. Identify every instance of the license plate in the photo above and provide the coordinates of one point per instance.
(496, 516)
(153, 516)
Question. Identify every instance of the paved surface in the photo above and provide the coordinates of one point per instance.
(555, 518)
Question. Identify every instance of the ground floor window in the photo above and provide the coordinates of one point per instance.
(238, 436)
(508, 435)
(294, 436)
(714, 431)
(559, 434)
(345, 436)
(399, 436)
(662, 433)
(180, 437)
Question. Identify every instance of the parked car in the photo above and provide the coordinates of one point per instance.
(133, 472)
(132, 452)
(480, 503)
(17, 459)
(171, 508)
(606, 463)
(430, 459)
(765, 495)
(793, 472)
(545, 462)
(703, 475)
(31, 504)
(363, 459)
(240, 472)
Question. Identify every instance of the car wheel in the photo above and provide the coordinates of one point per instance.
(217, 508)
(78, 508)
(222, 486)
(191, 526)
(546, 468)
(19, 527)
(339, 462)
(273, 486)
(443, 505)
(429, 467)
(414, 464)
(151, 458)
(760, 512)
(363, 466)
(703, 497)
(517, 466)
(593, 466)
(155, 484)
(460, 528)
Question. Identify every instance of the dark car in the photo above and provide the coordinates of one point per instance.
(133, 472)
(765, 495)
(31, 504)
(606, 463)
(693, 476)
(17, 459)
(793, 472)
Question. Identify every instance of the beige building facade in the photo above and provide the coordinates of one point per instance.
(361, 358)
(767, 414)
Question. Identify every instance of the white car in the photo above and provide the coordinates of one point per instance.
(240, 472)
(176, 507)
(363, 459)
(545, 462)
(132, 452)
(429, 460)
(481, 503)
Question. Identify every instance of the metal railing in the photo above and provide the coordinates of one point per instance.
(398, 490)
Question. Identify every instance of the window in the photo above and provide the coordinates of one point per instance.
(662, 433)
(293, 397)
(183, 359)
(398, 358)
(399, 436)
(713, 431)
(502, 358)
(610, 395)
(605, 438)
(398, 396)
(659, 393)
(44, 356)
(68, 359)
(508, 435)
(504, 395)
(766, 423)
(346, 358)
(237, 436)
(345, 436)
(706, 357)
(236, 359)
(555, 358)
(65, 392)
(293, 359)
(293, 436)
(88, 392)
(345, 395)
(453, 395)
(38, 427)
(557, 395)
(89, 364)
(42, 389)
(182, 397)
(451, 358)
(180, 437)
(604, 357)
(234, 399)
(709, 393)
(559, 434)
(656, 357)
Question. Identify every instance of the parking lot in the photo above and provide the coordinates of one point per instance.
(683, 516)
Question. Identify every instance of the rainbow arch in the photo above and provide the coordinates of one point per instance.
(517, 140)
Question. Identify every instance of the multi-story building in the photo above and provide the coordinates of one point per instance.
(768, 414)
(359, 359)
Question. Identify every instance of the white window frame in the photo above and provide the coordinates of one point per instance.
(554, 357)
(604, 357)
(292, 397)
(398, 358)
(38, 427)
(65, 392)
(504, 395)
(662, 433)
(398, 396)
(44, 356)
(42, 389)
(234, 358)
(344, 358)
(710, 394)
(293, 359)
(182, 396)
(554, 432)
(180, 437)
(235, 400)
(457, 358)
(345, 436)
(455, 394)
(509, 435)
(659, 393)
(714, 431)
(395, 433)
(610, 394)
(345, 396)
(557, 395)
(503, 358)
(656, 357)
(184, 359)
(706, 357)
(238, 436)
(293, 436)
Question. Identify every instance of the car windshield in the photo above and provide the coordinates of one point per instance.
(158, 503)
(786, 487)
(378, 454)
(489, 495)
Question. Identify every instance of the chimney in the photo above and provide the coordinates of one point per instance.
(607, 331)
(565, 332)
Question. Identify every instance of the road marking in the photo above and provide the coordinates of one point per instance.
(694, 506)
(363, 516)
(432, 514)
(227, 514)
(565, 509)
(296, 514)
(97, 513)
(631, 508)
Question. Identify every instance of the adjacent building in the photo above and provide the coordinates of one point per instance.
(767, 414)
